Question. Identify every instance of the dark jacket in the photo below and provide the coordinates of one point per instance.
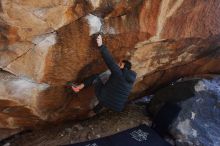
(114, 93)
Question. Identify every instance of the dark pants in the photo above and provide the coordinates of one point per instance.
(91, 80)
(97, 82)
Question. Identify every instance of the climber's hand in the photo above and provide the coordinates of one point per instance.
(99, 40)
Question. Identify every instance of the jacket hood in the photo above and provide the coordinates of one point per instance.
(130, 75)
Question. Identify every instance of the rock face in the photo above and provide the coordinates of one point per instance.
(199, 121)
(171, 94)
(44, 44)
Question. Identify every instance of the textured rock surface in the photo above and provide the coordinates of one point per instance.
(44, 44)
(199, 121)
(173, 93)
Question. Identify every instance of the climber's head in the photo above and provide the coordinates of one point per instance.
(96, 35)
(125, 64)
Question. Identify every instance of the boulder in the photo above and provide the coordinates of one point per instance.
(44, 44)
(198, 122)
(171, 95)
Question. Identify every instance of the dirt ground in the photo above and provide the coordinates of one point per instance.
(105, 124)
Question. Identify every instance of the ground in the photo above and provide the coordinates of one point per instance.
(105, 124)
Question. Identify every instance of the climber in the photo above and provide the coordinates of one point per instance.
(113, 93)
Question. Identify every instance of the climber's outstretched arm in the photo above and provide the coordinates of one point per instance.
(108, 59)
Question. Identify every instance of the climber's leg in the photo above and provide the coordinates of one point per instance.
(96, 110)
(88, 82)
(97, 79)
(91, 80)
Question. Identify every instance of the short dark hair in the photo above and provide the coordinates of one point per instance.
(127, 64)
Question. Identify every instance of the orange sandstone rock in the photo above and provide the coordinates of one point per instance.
(44, 44)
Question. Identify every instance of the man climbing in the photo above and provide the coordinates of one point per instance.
(113, 94)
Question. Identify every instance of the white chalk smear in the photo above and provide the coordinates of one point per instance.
(95, 23)
(95, 3)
